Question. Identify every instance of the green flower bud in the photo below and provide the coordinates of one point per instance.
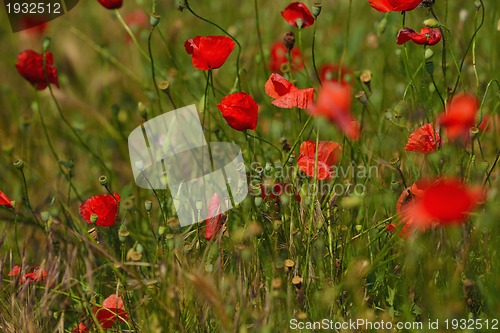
(154, 19)
(93, 218)
(316, 9)
(19, 164)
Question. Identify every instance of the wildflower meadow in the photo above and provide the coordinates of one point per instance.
(253, 166)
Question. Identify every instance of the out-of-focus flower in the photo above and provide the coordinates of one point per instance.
(240, 111)
(334, 103)
(298, 15)
(36, 274)
(286, 95)
(107, 315)
(427, 36)
(209, 52)
(331, 72)
(394, 5)
(459, 116)
(105, 206)
(213, 222)
(424, 140)
(329, 153)
(137, 20)
(30, 66)
(278, 58)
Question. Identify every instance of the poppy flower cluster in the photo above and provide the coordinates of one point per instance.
(111, 4)
(240, 111)
(424, 140)
(107, 315)
(36, 274)
(298, 15)
(5, 201)
(209, 52)
(278, 58)
(394, 5)
(329, 153)
(426, 36)
(30, 66)
(334, 103)
(286, 95)
(442, 201)
(104, 207)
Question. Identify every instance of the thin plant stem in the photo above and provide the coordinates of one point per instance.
(259, 37)
(153, 74)
(313, 53)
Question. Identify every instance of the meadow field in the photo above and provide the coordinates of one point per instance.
(369, 138)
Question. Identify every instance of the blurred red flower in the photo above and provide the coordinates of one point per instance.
(443, 201)
(240, 111)
(137, 20)
(111, 4)
(459, 116)
(330, 72)
(334, 103)
(30, 66)
(298, 15)
(328, 154)
(35, 275)
(209, 52)
(427, 36)
(213, 222)
(107, 314)
(287, 95)
(424, 140)
(34, 25)
(279, 58)
(111, 311)
(105, 206)
(394, 5)
(274, 191)
(5, 201)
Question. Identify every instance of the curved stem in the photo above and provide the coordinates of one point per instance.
(151, 59)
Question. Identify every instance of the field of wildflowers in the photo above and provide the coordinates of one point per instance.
(369, 135)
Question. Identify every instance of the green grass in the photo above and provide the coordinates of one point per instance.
(351, 266)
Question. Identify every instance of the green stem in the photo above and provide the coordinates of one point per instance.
(151, 59)
(259, 37)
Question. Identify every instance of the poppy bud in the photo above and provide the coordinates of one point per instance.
(143, 112)
(428, 3)
(123, 234)
(46, 43)
(93, 218)
(19, 164)
(164, 86)
(316, 9)
(431, 23)
(289, 40)
(429, 67)
(361, 97)
(428, 54)
(154, 19)
(148, 205)
(103, 180)
(381, 26)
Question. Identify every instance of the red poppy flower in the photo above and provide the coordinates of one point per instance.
(105, 206)
(279, 58)
(5, 201)
(36, 275)
(328, 154)
(330, 72)
(15, 271)
(298, 15)
(394, 5)
(334, 103)
(459, 116)
(107, 314)
(136, 20)
(444, 201)
(81, 328)
(30, 66)
(111, 4)
(240, 111)
(111, 311)
(213, 221)
(427, 36)
(424, 140)
(209, 52)
(287, 95)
